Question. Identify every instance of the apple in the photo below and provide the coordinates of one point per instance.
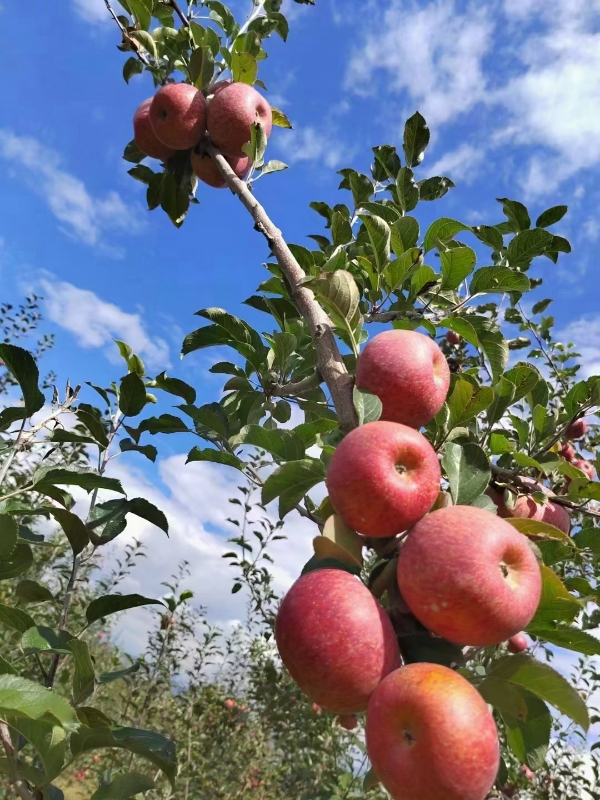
(527, 773)
(526, 507)
(517, 644)
(231, 112)
(585, 467)
(144, 136)
(335, 639)
(409, 374)
(567, 451)
(178, 115)
(577, 429)
(469, 576)
(317, 709)
(216, 88)
(206, 170)
(348, 721)
(382, 478)
(230, 704)
(431, 736)
(453, 338)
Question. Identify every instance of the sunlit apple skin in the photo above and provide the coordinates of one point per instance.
(430, 736)
(409, 374)
(382, 478)
(577, 429)
(335, 639)
(567, 451)
(144, 136)
(585, 467)
(526, 507)
(517, 644)
(206, 170)
(469, 576)
(231, 112)
(178, 115)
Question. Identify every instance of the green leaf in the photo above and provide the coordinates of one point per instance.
(133, 154)
(146, 510)
(90, 420)
(244, 67)
(497, 280)
(166, 423)
(84, 675)
(86, 479)
(407, 190)
(464, 328)
(442, 230)
(405, 235)
(457, 264)
(416, 139)
(133, 66)
(50, 741)
(113, 603)
(292, 481)
(467, 402)
(569, 637)
(492, 343)
(468, 471)
(489, 236)
(399, 268)
(132, 395)
(19, 560)
(528, 737)
(504, 393)
(505, 697)
(20, 697)
(556, 602)
(73, 527)
(202, 66)
(434, 188)
(147, 42)
(280, 119)
(273, 166)
(109, 677)
(9, 533)
(33, 592)
(15, 618)
(551, 216)
(174, 199)
(255, 148)
(516, 213)
(46, 640)
(8, 416)
(341, 232)
(340, 296)
(212, 416)
(368, 406)
(380, 236)
(544, 682)
(215, 456)
(535, 528)
(123, 787)
(6, 668)
(146, 744)
(525, 378)
(527, 245)
(148, 450)
(284, 445)
(21, 365)
(175, 386)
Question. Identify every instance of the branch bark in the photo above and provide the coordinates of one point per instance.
(329, 358)
(294, 389)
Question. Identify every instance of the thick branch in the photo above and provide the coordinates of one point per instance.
(19, 784)
(294, 389)
(329, 358)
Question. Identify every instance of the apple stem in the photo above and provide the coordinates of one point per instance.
(329, 359)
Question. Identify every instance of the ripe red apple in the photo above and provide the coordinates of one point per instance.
(585, 467)
(409, 374)
(317, 709)
(144, 136)
(216, 88)
(231, 112)
(178, 115)
(469, 576)
(230, 704)
(430, 736)
(348, 721)
(577, 429)
(527, 508)
(567, 451)
(382, 478)
(527, 773)
(518, 644)
(335, 639)
(206, 169)
(453, 338)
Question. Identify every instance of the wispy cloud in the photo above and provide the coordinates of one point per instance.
(93, 11)
(585, 335)
(82, 215)
(95, 322)
(462, 164)
(315, 144)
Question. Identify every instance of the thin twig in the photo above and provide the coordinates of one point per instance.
(292, 389)
(174, 5)
(19, 784)
(329, 359)
(126, 37)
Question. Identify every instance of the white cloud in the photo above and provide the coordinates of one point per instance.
(462, 164)
(431, 52)
(312, 144)
(585, 334)
(93, 11)
(95, 322)
(82, 215)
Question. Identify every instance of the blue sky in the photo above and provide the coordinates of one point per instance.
(510, 88)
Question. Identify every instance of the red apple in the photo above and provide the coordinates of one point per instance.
(348, 721)
(178, 115)
(217, 87)
(231, 112)
(409, 374)
(382, 478)
(469, 576)
(527, 508)
(567, 451)
(144, 136)
(585, 467)
(518, 644)
(430, 736)
(230, 704)
(335, 639)
(527, 773)
(453, 338)
(317, 709)
(206, 169)
(577, 429)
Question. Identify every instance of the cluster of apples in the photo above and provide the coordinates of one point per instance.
(179, 117)
(466, 574)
